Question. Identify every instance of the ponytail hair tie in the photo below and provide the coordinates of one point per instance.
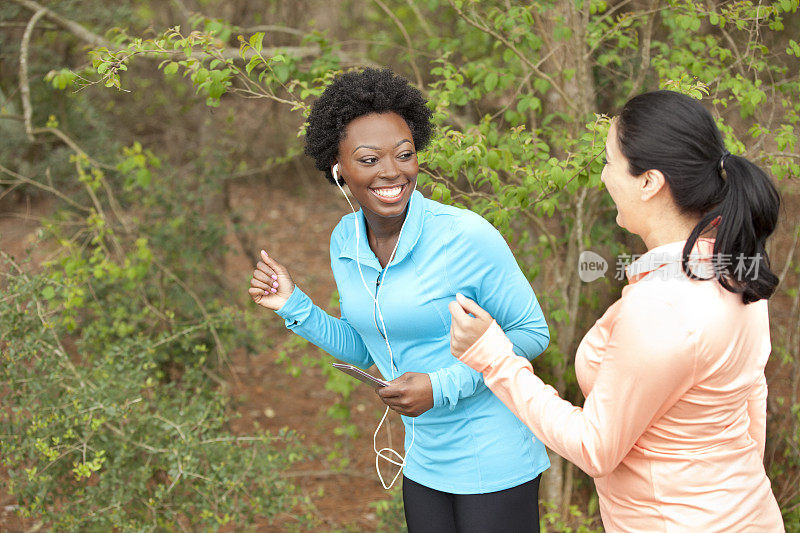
(721, 164)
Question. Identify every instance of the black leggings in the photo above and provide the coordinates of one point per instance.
(514, 510)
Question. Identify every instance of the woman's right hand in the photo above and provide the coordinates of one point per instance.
(271, 284)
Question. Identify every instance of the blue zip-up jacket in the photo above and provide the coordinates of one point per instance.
(469, 442)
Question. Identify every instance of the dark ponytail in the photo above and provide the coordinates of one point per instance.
(675, 134)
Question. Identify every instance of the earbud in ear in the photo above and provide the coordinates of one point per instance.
(335, 171)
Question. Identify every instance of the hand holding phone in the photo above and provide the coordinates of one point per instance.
(360, 375)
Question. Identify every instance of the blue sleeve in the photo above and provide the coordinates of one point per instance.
(334, 335)
(480, 265)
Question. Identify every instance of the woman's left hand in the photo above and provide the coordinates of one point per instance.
(465, 330)
(411, 394)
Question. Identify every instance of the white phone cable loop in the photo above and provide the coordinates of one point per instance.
(379, 454)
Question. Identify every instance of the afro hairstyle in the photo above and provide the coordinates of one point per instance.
(358, 93)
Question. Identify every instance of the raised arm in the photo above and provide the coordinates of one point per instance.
(645, 369)
(272, 287)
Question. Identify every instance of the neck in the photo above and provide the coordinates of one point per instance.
(382, 229)
(668, 228)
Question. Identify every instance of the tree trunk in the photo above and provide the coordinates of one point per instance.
(569, 56)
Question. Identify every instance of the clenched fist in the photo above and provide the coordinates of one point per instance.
(271, 284)
(466, 329)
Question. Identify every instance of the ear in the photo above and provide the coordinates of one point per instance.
(651, 183)
(336, 170)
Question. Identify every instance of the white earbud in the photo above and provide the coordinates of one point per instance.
(380, 453)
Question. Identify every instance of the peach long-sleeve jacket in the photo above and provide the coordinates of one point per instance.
(673, 426)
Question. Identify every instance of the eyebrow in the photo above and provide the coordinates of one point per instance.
(376, 148)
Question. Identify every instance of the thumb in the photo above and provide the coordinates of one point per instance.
(279, 269)
(470, 307)
(457, 312)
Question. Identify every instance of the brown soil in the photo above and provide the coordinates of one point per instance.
(293, 224)
(296, 227)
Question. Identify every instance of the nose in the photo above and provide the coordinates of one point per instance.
(390, 168)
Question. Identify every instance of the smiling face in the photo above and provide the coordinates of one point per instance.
(623, 187)
(378, 161)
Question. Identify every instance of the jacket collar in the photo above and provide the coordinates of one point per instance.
(670, 256)
(412, 229)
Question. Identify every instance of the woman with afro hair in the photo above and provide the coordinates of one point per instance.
(470, 464)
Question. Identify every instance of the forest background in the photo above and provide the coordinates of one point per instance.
(150, 148)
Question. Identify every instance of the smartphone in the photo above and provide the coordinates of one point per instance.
(360, 375)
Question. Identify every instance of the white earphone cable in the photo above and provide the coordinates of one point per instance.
(379, 454)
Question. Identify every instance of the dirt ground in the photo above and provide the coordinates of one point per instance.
(297, 223)
(293, 224)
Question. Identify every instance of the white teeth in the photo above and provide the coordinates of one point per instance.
(388, 192)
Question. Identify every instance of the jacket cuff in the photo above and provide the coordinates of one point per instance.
(296, 309)
(436, 386)
(487, 349)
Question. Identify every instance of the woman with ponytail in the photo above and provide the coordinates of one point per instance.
(673, 425)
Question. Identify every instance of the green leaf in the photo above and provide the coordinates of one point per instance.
(281, 72)
(171, 68)
(48, 292)
(254, 61)
(490, 81)
(256, 41)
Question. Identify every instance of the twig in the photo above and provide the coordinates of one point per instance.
(613, 29)
(423, 22)
(613, 10)
(69, 25)
(171, 423)
(24, 87)
(40, 313)
(789, 256)
(174, 336)
(44, 187)
(23, 24)
(72, 144)
(407, 37)
(228, 52)
(14, 185)
(64, 137)
(275, 29)
(516, 51)
(117, 431)
(238, 439)
(324, 473)
(783, 154)
(223, 354)
(647, 36)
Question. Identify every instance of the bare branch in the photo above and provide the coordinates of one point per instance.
(74, 146)
(423, 22)
(783, 154)
(789, 256)
(23, 179)
(69, 25)
(271, 28)
(24, 88)
(227, 52)
(516, 51)
(407, 37)
(223, 354)
(644, 44)
(615, 27)
(24, 24)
